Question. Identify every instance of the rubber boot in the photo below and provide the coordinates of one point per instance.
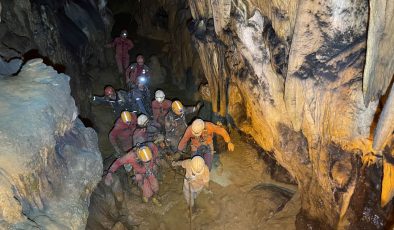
(144, 199)
(156, 202)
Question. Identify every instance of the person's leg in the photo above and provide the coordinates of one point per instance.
(208, 160)
(188, 195)
(154, 184)
(118, 59)
(146, 189)
(125, 62)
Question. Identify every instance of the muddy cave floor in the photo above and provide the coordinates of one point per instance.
(243, 194)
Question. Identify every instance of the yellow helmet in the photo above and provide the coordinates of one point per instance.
(198, 164)
(177, 107)
(126, 116)
(144, 154)
(198, 126)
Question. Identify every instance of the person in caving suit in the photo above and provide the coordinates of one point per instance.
(134, 71)
(196, 178)
(201, 134)
(146, 130)
(140, 97)
(175, 122)
(121, 135)
(160, 107)
(118, 100)
(122, 46)
(143, 161)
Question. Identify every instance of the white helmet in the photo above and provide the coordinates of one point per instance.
(198, 126)
(198, 164)
(142, 120)
(159, 96)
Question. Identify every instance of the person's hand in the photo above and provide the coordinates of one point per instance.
(108, 179)
(174, 163)
(230, 146)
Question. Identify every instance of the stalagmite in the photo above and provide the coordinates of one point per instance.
(383, 135)
(379, 65)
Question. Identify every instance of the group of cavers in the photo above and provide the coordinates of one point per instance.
(150, 132)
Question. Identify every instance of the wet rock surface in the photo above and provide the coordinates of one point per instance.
(50, 163)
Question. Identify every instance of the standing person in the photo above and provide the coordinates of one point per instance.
(121, 135)
(144, 163)
(135, 70)
(201, 134)
(175, 122)
(160, 107)
(122, 46)
(196, 178)
(118, 100)
(140, 97)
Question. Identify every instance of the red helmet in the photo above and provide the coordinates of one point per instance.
(108, 91)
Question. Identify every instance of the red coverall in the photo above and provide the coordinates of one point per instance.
(122, 47)
(121, 135)
(160, 110)
(144, 172)
(204, 139)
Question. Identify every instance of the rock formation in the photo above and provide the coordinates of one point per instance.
(291, 75)
(69, 35)
(49, 161)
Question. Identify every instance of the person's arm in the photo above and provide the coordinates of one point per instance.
(112, 138)
(101, 100)
(193, 109)
(130, 44)
(111, 44)
(186, 137)
(119, 162)
(222, 132)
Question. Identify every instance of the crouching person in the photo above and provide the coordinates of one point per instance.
(196, 178)
(144, 163)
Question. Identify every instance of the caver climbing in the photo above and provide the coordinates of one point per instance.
(118, 100)
(175, 122)
(201, 134)
(143, 160)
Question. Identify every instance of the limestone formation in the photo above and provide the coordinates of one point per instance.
(49, 161)
(292, 75)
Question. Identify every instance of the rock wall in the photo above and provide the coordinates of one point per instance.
(49, 162)
(68, 35)
(291, 75)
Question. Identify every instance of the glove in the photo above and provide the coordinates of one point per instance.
(108, 179)
(230, 146)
